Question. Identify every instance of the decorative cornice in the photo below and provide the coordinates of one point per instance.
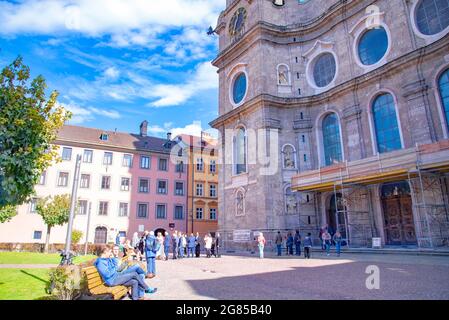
(269, 123)
(302, 124)
(414, 89)
(352, 111)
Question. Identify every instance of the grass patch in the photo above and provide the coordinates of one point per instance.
(23, 284)
(37, 258)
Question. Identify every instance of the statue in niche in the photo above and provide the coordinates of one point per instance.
(283, 76)
(291, 201)
(289, 158)
(239, 204)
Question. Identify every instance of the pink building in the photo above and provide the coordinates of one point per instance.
(128, 183)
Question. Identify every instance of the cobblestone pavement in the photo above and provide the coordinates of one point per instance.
(322, 277)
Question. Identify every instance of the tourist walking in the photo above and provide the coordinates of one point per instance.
(327, 238)
(180, 248)
(184, 244)
(278, 243)
(261, 244)
(297, 241)
(175, 245)
(197, 245)
(167, 242)
(160, 253)
(135, 241)
(217, 245)
(208, 244)
(191, 246)
(151, 248)
(289, 244)
(337, 238)
(307, 245)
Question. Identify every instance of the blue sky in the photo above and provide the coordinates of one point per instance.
(116, 63)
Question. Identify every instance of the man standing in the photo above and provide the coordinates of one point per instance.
(278, 242)
(197, 245)
(298, 243)
(167, 241)
(151, 248)
(191, 245)
(180, 248)
(217, 245)
(175, 242)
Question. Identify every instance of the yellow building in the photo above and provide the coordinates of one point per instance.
(202, 183)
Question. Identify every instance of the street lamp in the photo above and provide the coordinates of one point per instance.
(67, 255)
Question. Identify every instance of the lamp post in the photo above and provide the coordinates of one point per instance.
(86, 245)
(67, 255)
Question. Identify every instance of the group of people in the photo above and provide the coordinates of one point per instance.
(295, 240)
(329, 238)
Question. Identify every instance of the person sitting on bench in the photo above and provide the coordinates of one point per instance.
(107, 265)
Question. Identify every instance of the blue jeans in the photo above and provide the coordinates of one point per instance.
(181, 252)
(151, 265)
(261, 251)
(338, 247)
(167, 251)
(133, 280)
(298, 249)
(191, 251)
(136, 268)
(328, 247)
(279, 247)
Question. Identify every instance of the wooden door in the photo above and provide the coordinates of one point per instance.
(399, 224)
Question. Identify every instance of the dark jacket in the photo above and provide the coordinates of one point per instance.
(289, 240)
(175, 241)
(297, 239)
(167, 241)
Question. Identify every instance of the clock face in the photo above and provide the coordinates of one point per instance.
(237, 22)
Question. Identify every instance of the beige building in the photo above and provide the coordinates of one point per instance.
(355, 95)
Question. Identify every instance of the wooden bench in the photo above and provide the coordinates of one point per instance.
(96, 285)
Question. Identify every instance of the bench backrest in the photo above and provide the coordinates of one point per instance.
(94, 279)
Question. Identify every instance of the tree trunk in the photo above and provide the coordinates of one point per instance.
(47, 240)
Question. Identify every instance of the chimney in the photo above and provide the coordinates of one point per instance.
(169, 136)
(144, 128)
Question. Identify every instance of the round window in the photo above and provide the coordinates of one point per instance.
(432, 16)
(373, 45)
(239, 89)
(324, 70)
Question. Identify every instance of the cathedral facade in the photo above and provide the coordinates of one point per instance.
(334, 113)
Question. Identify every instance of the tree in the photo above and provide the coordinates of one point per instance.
(29, 123)
(76, 236)
(55, 212)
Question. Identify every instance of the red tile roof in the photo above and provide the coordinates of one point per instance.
(83, 135)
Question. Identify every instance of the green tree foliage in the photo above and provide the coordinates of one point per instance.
(76, 236)
(54, 211)
(29, 123)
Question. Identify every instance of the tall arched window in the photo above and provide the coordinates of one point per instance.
(386, 124)
(443, 85)
(240, 155)
(331, 140)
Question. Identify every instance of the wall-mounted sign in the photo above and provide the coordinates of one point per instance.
(242, 235)
(171, 225)
(141, 228)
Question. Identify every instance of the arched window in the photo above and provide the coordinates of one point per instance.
(386, 124)
(432, 16)
(101, 235)
(240, 155)
(331, 140)
(324, 70)
(373, 45)
(443, 85)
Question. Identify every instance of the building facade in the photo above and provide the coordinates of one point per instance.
(202, 181)
(355, 97)
(128, 183)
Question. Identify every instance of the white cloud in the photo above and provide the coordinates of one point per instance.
(86, 114)
(205, 78)
(195, 128)
(99, 17)
(111, 73)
